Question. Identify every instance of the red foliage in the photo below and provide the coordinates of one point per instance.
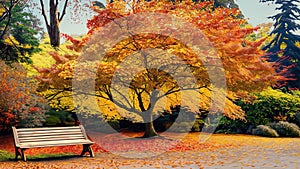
(17, 100)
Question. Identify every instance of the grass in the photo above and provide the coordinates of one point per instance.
(6, 156)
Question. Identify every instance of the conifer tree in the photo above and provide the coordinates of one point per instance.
(283, 47)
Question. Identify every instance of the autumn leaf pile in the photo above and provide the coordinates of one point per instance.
(113, 141)
(219, 151)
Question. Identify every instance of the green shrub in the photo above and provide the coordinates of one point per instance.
(198, 125)
(227, 125)
(59, 118)
(269, 106)
(286, 129)
(52, 121)
(272, 104)
(262, 130)
(114, 124)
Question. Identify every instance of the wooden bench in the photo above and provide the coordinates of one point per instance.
(25, 138)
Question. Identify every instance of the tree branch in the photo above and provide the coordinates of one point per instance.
(56, 4)
(9, 11)
(44, 15)
(60, 18)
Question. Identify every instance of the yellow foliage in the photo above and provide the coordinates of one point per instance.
(43, 59)
(11, 41)
(2, 10)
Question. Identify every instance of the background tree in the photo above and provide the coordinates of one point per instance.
(18, 32)
(6, 14)
(245, 69)
(283, 46)
(55, 16)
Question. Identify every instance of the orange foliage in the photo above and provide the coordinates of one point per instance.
(17, 99)
(245, 69)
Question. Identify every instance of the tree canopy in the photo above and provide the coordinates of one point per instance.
(242, 64)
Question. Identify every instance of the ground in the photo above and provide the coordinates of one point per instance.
(219, 151)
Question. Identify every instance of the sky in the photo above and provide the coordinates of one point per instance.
(255, 11)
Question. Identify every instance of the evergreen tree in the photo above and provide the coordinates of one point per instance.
(19, 33)
(283, 47)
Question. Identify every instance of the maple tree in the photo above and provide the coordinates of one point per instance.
(19, 105)
(244, 68)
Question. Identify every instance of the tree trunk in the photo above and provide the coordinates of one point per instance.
(147, 116)
(53, 28)
(54, 35)
(150, 131)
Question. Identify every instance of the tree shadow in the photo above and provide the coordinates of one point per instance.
(149, 138)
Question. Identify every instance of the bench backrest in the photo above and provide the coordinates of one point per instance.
(44, 134)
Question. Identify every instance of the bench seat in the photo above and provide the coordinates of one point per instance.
(53, 143)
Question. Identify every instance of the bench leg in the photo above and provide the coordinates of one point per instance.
(23, 154)
(17, 153)
(20, 152)
(87, 148)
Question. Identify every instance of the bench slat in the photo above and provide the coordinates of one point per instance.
(54, 143)
(48, 128)
(48, 131)
(49, 138)
(48, 134)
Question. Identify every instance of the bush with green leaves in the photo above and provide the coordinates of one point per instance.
(286, 129)
(52, 121)
(263, 130)
(269, 106)
(60, 118)
(227, 125)
(273, 105)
